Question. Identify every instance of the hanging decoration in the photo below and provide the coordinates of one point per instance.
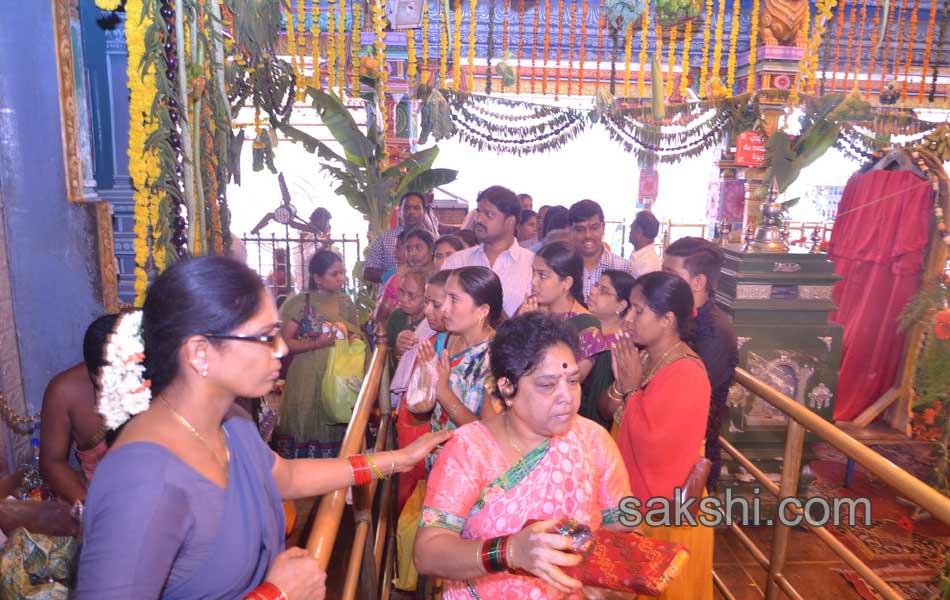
(472, 17)
(704, 66)
(292, 39)
(753, 46)
(522, 128)
(583, 46)
(671, 13)
(424, 66)
(331, 45)
(857, 60)
(644, 29)
(315, 43)
(570, 48)
(627, 54)
(547, 46)
(457, 48)
(379, 44)
(671, 62)
(910, 49)
(809, 64)
(301, 48)
(896, 48)
(839, 29)
(873, 59)
(619, 14)
(927, 49)
(601, 25)
(521, 19)
(506, 7)
(733, 44)
(852, 22)
(491, 45)
(557, 60)
(717, 50)
(411, 68)
(443, 45)
(341, 49)
(355, 41)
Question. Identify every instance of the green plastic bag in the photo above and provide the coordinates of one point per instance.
(342, 380)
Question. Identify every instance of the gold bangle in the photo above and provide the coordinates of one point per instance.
(379, 474)
(392, 456)
(478, 558)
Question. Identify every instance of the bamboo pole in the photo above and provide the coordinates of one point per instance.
(187, 152)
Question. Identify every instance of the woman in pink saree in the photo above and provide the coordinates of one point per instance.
(536, 461)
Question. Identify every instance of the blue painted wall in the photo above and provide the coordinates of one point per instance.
(51, 243)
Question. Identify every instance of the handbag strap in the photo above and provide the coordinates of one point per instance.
(306, 308)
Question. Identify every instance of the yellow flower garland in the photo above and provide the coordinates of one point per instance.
(424, 67)
(315, 45)
(670, 61)
(627, 54)
(355, 49)
(108, 4)
(753, 46)
(583, 44)
(471, 45)
(379, 7)
(570, 50)
(658, 33)
(717, 49)
(733, 42)
(142, 167)
(331, 46)
(687, 42)
(302, 48)
(520, 44)
(560, 32)
(411, 69)
(644, 28)
(341, 48)
(547, 45)
(291, 41)
(704, 67)
(443, 46)
(457, 48)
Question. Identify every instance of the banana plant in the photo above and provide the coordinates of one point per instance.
(363, 179)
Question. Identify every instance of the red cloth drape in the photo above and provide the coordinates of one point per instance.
(877, 245)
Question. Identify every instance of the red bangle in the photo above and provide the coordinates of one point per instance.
(362, 474)
(266, 591)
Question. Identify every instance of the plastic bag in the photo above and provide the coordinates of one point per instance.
(37, 567)
(342, 380)
(420, 393)
(407, 577)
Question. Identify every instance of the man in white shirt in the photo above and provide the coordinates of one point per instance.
(586, 222)
(495, 222)
(642, 233)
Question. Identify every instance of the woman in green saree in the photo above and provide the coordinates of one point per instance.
(609, 301)
(312, 322)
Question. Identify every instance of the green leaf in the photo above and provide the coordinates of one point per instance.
(358, 148)
(432, 178)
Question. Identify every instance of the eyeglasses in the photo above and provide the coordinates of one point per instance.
(268, 338)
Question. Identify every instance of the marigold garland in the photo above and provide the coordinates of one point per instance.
(873, 60)
(717, 50)
(570, 48)
(108, 4)
(910, 49)
(927, 49)
(424, 66)
(355, 32)
(291, 40)
(315, 43)
(671, 61)
(142, 166)
(443, 45)
(753, 46)
(644, 30)
(341, 48)
(852, 19)
(472, 17)
(627, 54)
(411, 68)
(560, 36)
(839, 28)
(379, 43)
(857, 59)
(301, 48)
(457, 48)
(583, 47)
(733, 43)
(896, 47)
(687, 42)
(521, 18)
(546, 47)
(704, 67)
(331, 45)
(793, 95)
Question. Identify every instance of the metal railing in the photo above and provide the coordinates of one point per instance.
(801, 420)
(282, 261)
(366, 568)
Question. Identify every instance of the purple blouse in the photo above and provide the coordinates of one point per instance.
(156, 528)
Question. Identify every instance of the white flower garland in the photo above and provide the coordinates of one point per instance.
(123, 389)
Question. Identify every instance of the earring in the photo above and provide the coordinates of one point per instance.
(204, 372)
(508, 403)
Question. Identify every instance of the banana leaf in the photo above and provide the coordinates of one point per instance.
(356, 145)
(413, 164)
(431, 179)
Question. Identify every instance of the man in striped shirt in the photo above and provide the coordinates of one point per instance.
(586, 220)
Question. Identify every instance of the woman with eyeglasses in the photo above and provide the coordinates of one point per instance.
(187, 503)
(402, 322)
(312, 322)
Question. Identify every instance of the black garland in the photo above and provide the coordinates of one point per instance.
(541, 143)
(939, 57)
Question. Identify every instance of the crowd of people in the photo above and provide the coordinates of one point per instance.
(536, 375)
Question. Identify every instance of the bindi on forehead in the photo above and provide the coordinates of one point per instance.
(564, 366)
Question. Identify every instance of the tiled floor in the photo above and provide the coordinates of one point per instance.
(809, 566)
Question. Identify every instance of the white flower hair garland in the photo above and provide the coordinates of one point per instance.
(123, 389)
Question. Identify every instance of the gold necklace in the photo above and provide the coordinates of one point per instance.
(511, 439)
(656, 367)
(191, 428)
